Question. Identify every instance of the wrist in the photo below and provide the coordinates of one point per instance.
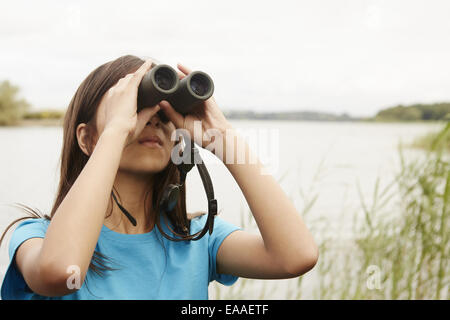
(116, 134)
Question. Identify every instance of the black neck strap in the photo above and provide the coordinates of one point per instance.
(184, 168)
(125, 212)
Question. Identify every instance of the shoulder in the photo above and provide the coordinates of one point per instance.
(34, 225)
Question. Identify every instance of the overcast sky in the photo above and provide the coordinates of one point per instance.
(354, 56)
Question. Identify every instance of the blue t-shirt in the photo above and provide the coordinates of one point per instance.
(147, 265)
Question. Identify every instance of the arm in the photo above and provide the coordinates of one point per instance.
(74, 229)
(285, 247)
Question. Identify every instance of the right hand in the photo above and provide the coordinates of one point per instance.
(118, 107)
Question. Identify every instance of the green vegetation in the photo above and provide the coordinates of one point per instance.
(288, 115)
(12, 108)
(400, 245)
(15, 111)
(416, 112)
(434, 140)
(44, 114)
(402, 240)
(411, 249)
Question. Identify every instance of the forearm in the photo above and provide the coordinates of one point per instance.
(285, 235)
(74, 229)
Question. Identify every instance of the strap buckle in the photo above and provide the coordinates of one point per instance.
(212, 212)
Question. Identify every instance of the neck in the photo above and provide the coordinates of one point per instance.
(131, 190)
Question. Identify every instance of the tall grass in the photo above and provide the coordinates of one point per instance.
(400, 247)
(434, 141)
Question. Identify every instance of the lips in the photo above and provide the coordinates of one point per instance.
(150, 139)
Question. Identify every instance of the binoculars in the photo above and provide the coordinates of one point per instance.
(162, 83)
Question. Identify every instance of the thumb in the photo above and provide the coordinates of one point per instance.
(143, 117)
(172, 114)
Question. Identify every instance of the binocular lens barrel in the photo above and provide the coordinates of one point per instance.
(200, 85)
(157, 85)
(162, 83)
(197, 86)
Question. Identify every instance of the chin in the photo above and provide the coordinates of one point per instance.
(145, 164)
(143, 169)
(144, 158)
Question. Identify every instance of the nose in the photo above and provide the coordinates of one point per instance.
(154, 121)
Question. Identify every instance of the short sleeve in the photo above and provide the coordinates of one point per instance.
(13, 285)
(221, 230)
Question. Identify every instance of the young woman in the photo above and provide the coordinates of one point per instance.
(88, 249)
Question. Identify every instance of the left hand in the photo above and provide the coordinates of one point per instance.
(208, 113)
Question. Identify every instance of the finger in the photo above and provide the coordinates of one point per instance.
(143, 69)
(183, 68)
(127, 78)
(110, 91)
(147, 113)
(145, 66)
(143, 117)
(181, 75)
(172, 114)
(123, 82)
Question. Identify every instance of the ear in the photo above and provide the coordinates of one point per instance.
(84, 138)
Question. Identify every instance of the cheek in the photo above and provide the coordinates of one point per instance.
(169, 129)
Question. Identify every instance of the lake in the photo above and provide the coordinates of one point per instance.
(327, 159)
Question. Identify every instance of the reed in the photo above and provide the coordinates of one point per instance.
(400, 246)
(434, 140)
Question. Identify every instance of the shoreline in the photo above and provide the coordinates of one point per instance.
(59, 122)
(39, 123)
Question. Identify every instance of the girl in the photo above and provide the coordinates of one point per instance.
(87, 249)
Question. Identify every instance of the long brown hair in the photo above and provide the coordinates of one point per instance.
(82, 109)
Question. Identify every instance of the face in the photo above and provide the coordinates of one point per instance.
(150, 153)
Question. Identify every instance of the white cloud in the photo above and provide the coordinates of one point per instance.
(342, 56)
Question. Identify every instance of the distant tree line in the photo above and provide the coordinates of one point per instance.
(44, 114)
(12, 108)
(288, 115)
(415, 112)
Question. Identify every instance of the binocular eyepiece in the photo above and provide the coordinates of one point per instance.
(162, 83)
